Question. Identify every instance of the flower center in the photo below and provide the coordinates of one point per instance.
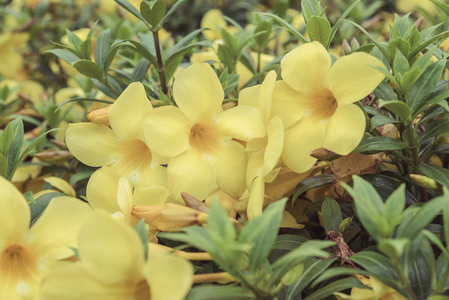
(203, 137)
(135, 156)
(17, 263)
(322, 104)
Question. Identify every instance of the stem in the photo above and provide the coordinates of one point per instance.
(413, 144)
(258, 60)
(160, 67)
(404, 280)
(261, 294)
(213, 277)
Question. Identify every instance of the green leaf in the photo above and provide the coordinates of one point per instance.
(74, 40)
(312, 272)
(400, 63)
(397, 107)
(102, 48)
(336, 286)
(89, 68)
(385, 91)
(439, 174)
(393, 248)
(425, 84)
(381, 120)
(342, 17)
(411, 227)
(40, 204)
(394, 206)
(173, 8)
(368, 205)
(16, 145)
(3, 166)
(153, 12)
(28, 150)
(263, 27)
(129, 7)
(287, 26)
(216, 292)
(261, 233)
(426, 43)
(145, 52)
(143, 235)
(182, 43)
(65, 55)
(288, 242)
(331, 213)
(441, 5)
(436, 97)
(380, 143)
(311, 183)
(319, 29)
(386, 185)
(86, 49)
(218, 224)
(140, 70)
(436, 128)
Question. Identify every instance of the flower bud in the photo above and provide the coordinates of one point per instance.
(169, 216)
(100, 116)
(424, 181)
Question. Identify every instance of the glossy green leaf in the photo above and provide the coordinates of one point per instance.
(140, 70)
(89, 68)
(437, 173)
(397, 107)
(331, 213)
(385, 91)
(380, 143)
(102, 47)
(3, 166)
(74, 40)
(319, 29)
(153, 11)
(40, 204)
(310, 183)
(129, 7)
(261, 233)
(65, 55)
(381, 120)
(436, 128)
(336, 286)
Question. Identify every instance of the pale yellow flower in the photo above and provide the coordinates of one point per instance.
(107, 191)
(264, 152)
(198, 136)
(379, 291)
(122, 146)
(213, 19)
(406, 6)
(26, 253)
(11, 46)
(112, 266)
(315, 101)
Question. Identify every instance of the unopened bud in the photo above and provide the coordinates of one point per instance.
(354, 44)
(100, 116)
(324, 154)
(346, 47)
(169, 216)
(424, 181)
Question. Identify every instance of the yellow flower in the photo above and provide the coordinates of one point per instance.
(112, 266)
(106, 190)
(26, 253)
(120, 147)
(263, 152)
(214, 20)
(11, 45)
(315, 102)
(198, 135)
(407, 6)
(379, 291)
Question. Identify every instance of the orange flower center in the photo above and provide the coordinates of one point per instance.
(322, 104)
(135, 155)
(17, 263)
(203, 137)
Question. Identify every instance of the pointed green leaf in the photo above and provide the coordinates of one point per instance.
(331, 212)
(399, 108)
(287, 26)
(319, 29)
(89, 68)
(102, 48)
(380, 143)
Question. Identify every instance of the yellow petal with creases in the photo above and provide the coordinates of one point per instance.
(62, 185)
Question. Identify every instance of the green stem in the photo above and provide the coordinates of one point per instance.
(261, 294)
(413, 144)
(404, 280)
(160, 67)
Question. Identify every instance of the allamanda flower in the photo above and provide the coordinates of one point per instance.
(315, 101)
(198, 136)
(120, 147)
(112, 266)
(27, 253)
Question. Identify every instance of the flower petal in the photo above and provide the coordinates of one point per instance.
(168, 276)
(344, 130)
(74, 283)
(56, 230)
(198, 92)
(256, 197)
(231, 160)
(301, 139)
(166, 131)
(109, 249)
(351, 78)
(152, 175)
(101, 191)
(265, 96)
(61, 185)
(126, 114)
(273, 151)
(192, 172)
(241, 122)
(14, 214)
(93, 144)
(155, 195)
(250, 96)
(287, 103)
(305, 68)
